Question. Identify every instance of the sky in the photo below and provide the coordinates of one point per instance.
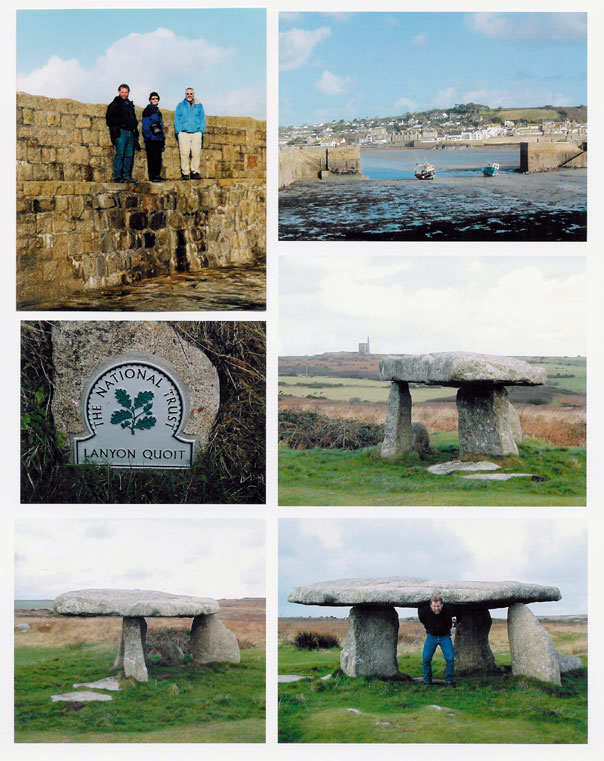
(203, 558)
(511, 305)
(86, 54)
(536, 551)
(352, 65)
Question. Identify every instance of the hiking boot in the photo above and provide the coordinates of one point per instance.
(195, 176)
(184, 176)
(450, 684)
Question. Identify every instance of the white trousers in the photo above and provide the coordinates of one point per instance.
(189, 145)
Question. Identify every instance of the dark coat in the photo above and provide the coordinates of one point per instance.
(152, 115)
(437, 625)
(120, 115)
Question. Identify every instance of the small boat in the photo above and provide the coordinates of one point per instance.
(425, 171)
(490, 170)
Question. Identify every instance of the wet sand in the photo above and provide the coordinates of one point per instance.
(220, 289)
(511, 206)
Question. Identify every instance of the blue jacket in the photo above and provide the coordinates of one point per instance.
(189, 118)
(152, 115)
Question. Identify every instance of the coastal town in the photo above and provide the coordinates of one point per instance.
(469, 122)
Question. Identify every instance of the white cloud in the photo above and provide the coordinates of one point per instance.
(545, 27)
(296, 46)
(405, 104)
(332, 84)
(134, 59)
(444, 98)
(246, 101)
(419, 40)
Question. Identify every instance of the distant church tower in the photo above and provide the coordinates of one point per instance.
(364, 348)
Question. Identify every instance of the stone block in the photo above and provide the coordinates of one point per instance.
(532, 650)
(398, 437)
(485, 422)
(370, 645)
(472, 651)
(212, 642)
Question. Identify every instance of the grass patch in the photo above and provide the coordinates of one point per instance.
(232, 470)
(362, 477)
(482, 709)
(213, 703)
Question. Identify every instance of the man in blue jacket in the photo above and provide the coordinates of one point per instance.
(189, 126)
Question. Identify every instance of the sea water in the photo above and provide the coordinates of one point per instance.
(454, 162)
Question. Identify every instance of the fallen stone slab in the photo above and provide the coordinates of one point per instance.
(410, 592)
(172, 654)
(83, 696)
(457, 368)
(568, 662)
(108, 683)
(23, 627)
(132, 602)
(500, 476)
(446, 468)
(287, 678)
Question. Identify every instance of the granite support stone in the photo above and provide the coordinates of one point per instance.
(131, 651)
(472, 651)
(398, 436)
(370, 644)
(485, 422)
(212, 642)
(531, 647)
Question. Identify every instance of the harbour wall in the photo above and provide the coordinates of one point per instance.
(544, 157)
(305, 163)
(77, 230)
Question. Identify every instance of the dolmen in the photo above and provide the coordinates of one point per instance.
(370, 647)
(488, 424)
(211, 641)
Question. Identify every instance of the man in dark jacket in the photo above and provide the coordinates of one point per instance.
(437, 618)
(123, 129)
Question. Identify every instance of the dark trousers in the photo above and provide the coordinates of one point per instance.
(154, 150)
(124, 155)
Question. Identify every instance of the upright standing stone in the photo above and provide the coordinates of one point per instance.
(532, 650)
(132, 647)
(485, 425)
(370, 644)
(132, 394)
(398, 437)
(212, 642)
(473, 653)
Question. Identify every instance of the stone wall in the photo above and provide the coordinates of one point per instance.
(542, 157)
(77, 231)
(305, 163)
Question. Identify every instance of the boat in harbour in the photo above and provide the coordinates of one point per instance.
(425, 171)
(490, 170)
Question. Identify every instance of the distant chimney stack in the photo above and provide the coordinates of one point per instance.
(364, 348)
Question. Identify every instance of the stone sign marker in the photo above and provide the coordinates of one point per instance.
(132, 394)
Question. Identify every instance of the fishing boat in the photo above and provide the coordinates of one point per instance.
(490, 170)
(425, 171)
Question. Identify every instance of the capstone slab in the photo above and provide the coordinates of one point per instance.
(410, 592)
(132, 602)
(457, 368)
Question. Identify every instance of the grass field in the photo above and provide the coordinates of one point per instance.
(358, 389)
(212, 703)
(362, 477)
(482, 709)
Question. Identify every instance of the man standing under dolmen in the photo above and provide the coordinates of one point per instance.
(437, 618)
(189, 126)
(123, 130)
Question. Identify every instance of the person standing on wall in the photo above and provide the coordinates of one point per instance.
(189, 126)
(155, 137)
(123, 130)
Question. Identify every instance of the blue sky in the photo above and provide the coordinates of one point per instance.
(86, 54)
(536, 551)
(350, 65)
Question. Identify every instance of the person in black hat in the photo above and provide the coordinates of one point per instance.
(155, 137)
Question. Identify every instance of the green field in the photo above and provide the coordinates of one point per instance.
(213, 703)
(360, 389)
(362, 477)
(482, 709)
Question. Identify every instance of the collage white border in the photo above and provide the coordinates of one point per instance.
(9, 385)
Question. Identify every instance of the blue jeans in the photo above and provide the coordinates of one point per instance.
(124, 155)
(447, 650)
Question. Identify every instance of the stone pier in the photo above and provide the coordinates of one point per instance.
(488, 424)
(371, 641)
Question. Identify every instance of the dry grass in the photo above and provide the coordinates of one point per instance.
(245, 618)
(412, 634)
(557, 425)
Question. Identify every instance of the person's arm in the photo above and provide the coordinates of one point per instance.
(202, 120)
(177, 121)
(147, 127)
(421, 614)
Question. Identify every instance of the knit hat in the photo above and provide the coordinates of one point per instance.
(153, 94)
